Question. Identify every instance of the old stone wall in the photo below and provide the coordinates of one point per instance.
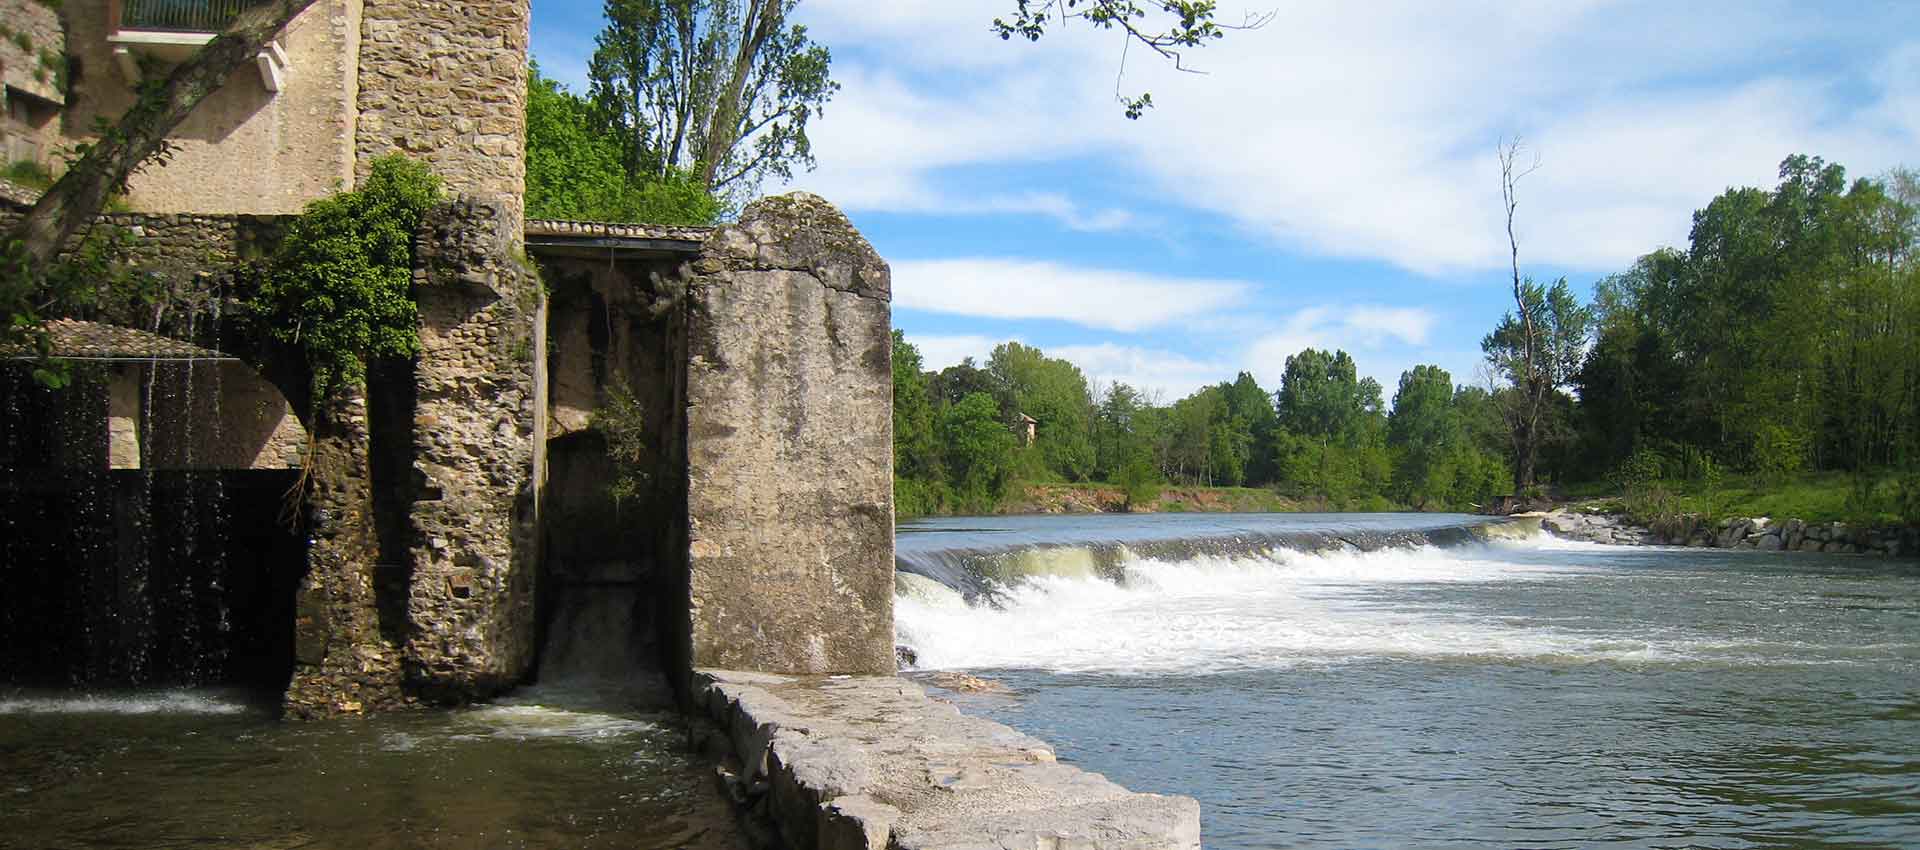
(33, 68)
(789, 445)
(471, 602)
(349, 626)
(445, 81)
(186, 259)
(33, 50)
(245, 149)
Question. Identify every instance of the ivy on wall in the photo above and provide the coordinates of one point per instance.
(339, 287)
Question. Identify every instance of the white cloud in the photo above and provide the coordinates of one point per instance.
(938, 351)
(1163, 374)
(1368, 131)
(1382, 340)
(1021, 289)
(1376, 324)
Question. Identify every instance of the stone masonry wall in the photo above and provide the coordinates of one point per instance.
(33, 48)
(471, 602)
(33, 66)
(445, 81)
(245, 149)
(789, 445)
(347, 654)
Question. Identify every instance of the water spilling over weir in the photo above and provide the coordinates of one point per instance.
(1332, 682)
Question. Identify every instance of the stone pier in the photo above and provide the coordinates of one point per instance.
(871, 763)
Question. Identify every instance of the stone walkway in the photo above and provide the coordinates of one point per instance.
(872, 762)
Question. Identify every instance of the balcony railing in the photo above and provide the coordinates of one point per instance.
(181, 15)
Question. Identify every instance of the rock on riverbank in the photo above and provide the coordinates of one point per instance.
(1759, 533)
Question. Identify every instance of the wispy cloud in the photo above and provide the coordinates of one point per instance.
(1106, 299)
(938, 351)
(1371, 134)
(1163, 374)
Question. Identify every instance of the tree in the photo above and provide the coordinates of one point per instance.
(915, 452)
(1322, 396)
(1251, 404)
(1535, 352)
(1425, 430)
(575, 172)
(1538, 357)
(1055, 393)
(979, 452)
(719, 89)
(103, 167)
(1166, 27)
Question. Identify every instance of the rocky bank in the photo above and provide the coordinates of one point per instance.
(1759, 533)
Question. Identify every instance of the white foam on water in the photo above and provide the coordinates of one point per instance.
(1278, 609)
(153, 702)
(582, 709)
(537, 722)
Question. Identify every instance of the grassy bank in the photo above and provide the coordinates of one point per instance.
(1829, 497)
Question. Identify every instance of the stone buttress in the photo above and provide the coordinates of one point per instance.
(789, 445)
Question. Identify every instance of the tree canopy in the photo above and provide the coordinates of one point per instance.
(721, 90)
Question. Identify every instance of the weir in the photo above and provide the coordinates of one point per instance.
(983, 556)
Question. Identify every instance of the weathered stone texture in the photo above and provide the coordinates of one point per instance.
(872, 763)
(445, 81)
(471, 600)
(33, 67)
(33, 50)
(789, 444)
(244, 149)
(347, 645)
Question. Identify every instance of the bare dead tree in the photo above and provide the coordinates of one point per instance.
(1530, 382)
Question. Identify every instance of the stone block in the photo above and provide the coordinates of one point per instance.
(789, 445)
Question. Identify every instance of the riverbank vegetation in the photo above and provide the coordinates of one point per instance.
(1323, 440)
(1770, 367)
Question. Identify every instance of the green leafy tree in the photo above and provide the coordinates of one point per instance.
(577, 172)
(1425, 431)
(978, 452)
(1055, 393)
(718, 89)
(1333, 429)
(919, 485)
(1253, 406)
(340, 287)
(1537, 353)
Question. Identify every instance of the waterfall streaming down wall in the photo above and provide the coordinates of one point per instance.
(592, 635)
(128, 556)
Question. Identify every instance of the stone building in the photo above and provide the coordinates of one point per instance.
(455, 507)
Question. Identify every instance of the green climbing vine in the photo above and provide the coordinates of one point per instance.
(339, 287)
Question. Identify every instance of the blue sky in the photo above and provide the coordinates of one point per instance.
(1330, 180)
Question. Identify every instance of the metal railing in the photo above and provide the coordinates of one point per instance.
(181, 15)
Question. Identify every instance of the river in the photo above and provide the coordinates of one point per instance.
(1510, 693)
(552, 767)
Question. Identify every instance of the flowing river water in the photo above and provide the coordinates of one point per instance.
(1438, 691)
(1510, 693)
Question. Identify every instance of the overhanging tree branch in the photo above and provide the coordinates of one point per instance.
(139, 137)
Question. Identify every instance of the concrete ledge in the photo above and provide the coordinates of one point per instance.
(835, 763)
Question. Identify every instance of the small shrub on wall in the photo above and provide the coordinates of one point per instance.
(339, 288)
